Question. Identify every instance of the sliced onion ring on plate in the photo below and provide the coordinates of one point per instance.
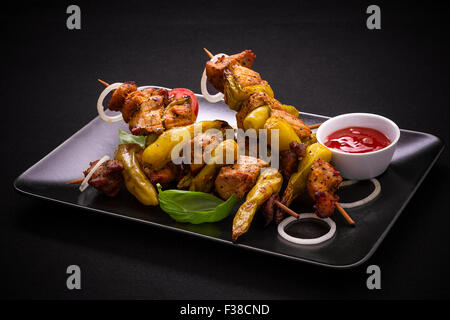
(296, 240)
(203, 83)
(376, 191)
(85, 182)
(101, 111)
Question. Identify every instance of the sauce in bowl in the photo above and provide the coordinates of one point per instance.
(357, 140)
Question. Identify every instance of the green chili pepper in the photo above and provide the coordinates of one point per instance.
(135, 179)
(194, 207)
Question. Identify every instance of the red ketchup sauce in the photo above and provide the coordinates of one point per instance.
(357, 140)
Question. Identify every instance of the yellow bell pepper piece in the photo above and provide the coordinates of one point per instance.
(290, 109)
(286, 133)
(257, 118)
(159, 153)
(297, 182)
(268, 183)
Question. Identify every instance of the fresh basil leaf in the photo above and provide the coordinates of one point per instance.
(125, 137)
(194, 207)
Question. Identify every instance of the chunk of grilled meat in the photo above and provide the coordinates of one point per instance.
(179, 113)
(165, 176)
(323, 182)
(120, 94)
(201, 142)
(289, 159)
(107, 178)
(269, 208)
(143, 111)
(243, 75)
(238, 178)
(214, 70)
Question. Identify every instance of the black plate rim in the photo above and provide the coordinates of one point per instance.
(222, 241)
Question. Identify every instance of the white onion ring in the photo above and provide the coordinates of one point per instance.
(85, 182)
(367, 199)
(211, 98)
(318, 240)
(101, 111)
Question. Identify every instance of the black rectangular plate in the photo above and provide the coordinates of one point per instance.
(415, 155)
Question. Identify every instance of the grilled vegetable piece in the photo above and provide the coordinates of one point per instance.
(107, 178)
(158, 154)
(238, 178)
(240, 86)
(286, 133)
(290, 109)
(257, 118)
(204, 181)
(323, 182)
(120, 94)
(297, 183)
(135, 179)
(254, 101)
(301, 129)
(214, 70)
(268, 183)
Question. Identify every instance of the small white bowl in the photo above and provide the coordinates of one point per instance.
(361, 166)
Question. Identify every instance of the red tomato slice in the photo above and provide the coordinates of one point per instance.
(180, 92)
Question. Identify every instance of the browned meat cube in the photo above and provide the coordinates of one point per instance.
(238, 178)
(107, 178)
(323, 182)
(149, 117)
(178, 115)
(214, 70)
(120, 94)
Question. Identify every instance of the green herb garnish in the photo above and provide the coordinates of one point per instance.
(125, 137)
(194, 207)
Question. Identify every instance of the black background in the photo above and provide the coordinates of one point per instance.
(319, 57)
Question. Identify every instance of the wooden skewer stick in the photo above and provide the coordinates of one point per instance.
(75, 181)
(314, 126)
(296, 215)
(286, 209)
(345, 215)
(103, 82)
(210, 55)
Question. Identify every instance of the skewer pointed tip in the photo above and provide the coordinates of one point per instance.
(210, 55)
(103, 82)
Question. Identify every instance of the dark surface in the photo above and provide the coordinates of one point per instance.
(414, 156)
(318, 57)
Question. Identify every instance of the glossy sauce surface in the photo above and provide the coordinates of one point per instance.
(357, 140)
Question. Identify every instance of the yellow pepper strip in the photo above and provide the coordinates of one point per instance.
(297, 182)
(235, 95)
(159, 153)
(268, 183)
(204, 180)
(258, 88)
(257, 118)
(290, 109)
(135, 179)
(285, 131)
